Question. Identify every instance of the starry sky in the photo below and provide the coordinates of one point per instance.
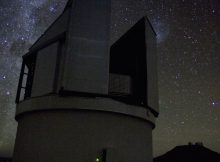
(188, 45)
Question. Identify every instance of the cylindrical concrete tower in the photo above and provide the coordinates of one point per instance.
(81, 99)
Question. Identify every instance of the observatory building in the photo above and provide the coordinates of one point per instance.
(81, 99)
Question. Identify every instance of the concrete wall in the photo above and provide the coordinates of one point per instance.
(81, 136)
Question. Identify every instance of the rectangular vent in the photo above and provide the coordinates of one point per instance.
(120, 85)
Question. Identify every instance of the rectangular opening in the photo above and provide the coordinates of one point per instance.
(128, 67)
(26, 77)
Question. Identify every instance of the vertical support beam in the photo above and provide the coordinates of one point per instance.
(20, 83)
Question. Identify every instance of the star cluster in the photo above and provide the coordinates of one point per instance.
(188, 44)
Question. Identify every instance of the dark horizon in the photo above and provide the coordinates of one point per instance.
(189, 153)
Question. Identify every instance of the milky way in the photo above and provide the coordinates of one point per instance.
(188, 62)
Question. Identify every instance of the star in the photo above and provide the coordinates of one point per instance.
(8, 93)
(214, 103)
(52, 9)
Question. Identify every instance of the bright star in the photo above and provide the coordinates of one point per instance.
(8, 93)
(214, 103)
(51, 8)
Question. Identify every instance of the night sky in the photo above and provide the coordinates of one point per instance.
(188, 35)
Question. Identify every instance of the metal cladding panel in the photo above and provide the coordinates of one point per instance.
(120, 84)
(45, 71)
(87, 57)
(152, 81)
(57, 28)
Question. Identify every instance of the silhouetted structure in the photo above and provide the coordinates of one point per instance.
(189, 153)
(81, 99)
(4, 159)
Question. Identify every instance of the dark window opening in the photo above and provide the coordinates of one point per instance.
(128, 69)
(26, 77)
